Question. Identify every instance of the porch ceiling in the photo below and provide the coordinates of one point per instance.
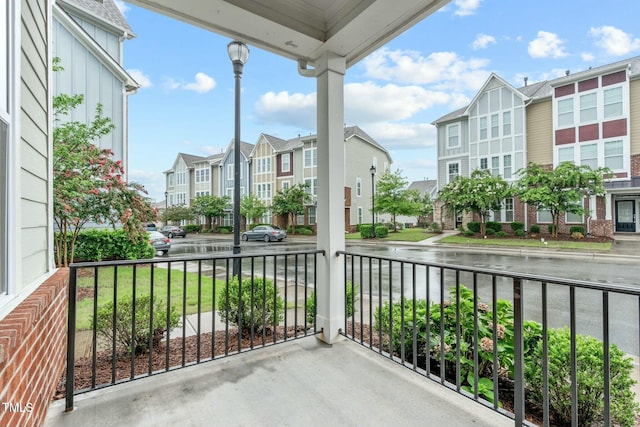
(302, 29)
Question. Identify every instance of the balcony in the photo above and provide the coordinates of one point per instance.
(381, 371)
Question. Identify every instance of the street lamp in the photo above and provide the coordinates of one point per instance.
(238, 54)
(372, 169)
(166, 194)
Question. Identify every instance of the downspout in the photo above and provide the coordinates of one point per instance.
(304, 71)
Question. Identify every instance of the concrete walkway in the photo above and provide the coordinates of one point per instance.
(297, 383)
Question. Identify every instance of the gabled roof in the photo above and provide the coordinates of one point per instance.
(486, 84)
(105, 10)
(351, 131)
(424, 187)
(245, 149)
(544, 89)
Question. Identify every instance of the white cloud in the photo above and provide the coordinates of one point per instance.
(546, 45)
(140, 77)
(466, 7)
(482, 41)
(210, 150)
(202, 83)
(587, 56)
(402, 136)
(124, 8)
(294, 109)
(446, 69)
(614, 41)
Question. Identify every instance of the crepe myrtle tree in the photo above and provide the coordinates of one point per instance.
(252, 208)
(561, 189)
(480, 193)
(392, 196)
(423, 204)
(290, 202)
(88, 184)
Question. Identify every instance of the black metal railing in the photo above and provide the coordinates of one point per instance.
(497, 337)
(132, 319)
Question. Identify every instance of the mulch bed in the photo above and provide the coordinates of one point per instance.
(546, 237)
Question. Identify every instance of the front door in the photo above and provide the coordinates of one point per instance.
(626, 216)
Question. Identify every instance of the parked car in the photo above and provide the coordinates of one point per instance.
(160, 242)
(172, 231)
(267, 233)
(151, 227)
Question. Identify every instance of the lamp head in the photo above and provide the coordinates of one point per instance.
(238, 52)
(372, 169)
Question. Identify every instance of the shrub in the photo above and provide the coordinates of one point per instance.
(435, 227)
(99, 245)
(192, 228)
(474, 226)
(350, 302)
(495, 226)
(138, 343)
(225, 229)
(259, 305)
(305, 231)
(502, 233)
(490, 231)
(382, 231)
(365, 231)
(205, 230)
(517, 226)
(590, 356)
(550, 228)
(519, 233)
(577, 235)
(468, 233)
(576, 229)
(535, 228)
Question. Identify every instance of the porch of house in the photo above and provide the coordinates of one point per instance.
(297, 383)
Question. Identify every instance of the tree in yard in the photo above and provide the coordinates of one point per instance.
(291, 201)
(423, 204)
(392, 196)
(88, 184)
(210, 207)
(177, 213)
(481, 193)
(561, 189)
(252, 208)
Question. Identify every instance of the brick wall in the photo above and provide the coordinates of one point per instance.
(32, 353)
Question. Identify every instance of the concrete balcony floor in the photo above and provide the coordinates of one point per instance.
(298, 383)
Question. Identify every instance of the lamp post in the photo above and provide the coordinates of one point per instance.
(238, 54)
(372, 169)
(166, 194)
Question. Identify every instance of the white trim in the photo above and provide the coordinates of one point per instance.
(447, 169)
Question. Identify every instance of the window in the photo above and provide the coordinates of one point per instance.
(170, 177)
(230, 172)
(572, 218)
(508, 209)
(202, 175)
(263, 191)
(359, 214)
(286, 185)
(544, 216)
(310, 157)
(495, 166)
(484, 163)
(507, 166)
(483, 128)
(312, 216)
(312, 186)
(358, 187)
(300, 219)
(506, 123)
(454, 171)
(495, 126)
(565, 113)
(589, 155)
(613, 155)
(453, 137)
(286, 162)
(374, 162)
(565, 154)
(588, 108)
(263, 165)
(613, 102)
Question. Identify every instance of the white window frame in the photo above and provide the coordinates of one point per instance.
(448, 171)
(287, 162)
(589, 160)
(495, 126)
(506, 123)
(565, 115)
(542, 219)
(312, 161)
(360, 213)
(483, 126)
(453, 135)
(589, 109)
(507, 165)
(230, 172)
(286, 184)
(495, 165)
(617, 101)
(358, 187)
(313, 186)
(610, 156)
(484, 163)
(312, 215)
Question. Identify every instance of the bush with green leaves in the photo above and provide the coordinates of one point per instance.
(468, 233)
(516, 226)
(590, 356)
(535, 228)
(435, 227)
(103, 244)
(473, 226)
(494, 225)
(519, 233)
(490, 231)
(576, 229)
(382, 231)
(139, 342)
(501, 234)
(350, 303)
(255, 305)
(225, 229)
(192, 228)
(365, 231)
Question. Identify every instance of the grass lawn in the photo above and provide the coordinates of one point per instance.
(529, 243)
(406, 235)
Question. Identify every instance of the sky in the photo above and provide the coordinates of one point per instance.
(186, 102)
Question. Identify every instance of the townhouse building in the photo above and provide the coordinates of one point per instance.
(588, 118)
(274, 164)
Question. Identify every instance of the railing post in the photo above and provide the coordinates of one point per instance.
(518, 354)
(71, 338)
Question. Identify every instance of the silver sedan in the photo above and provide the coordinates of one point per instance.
(265, 232)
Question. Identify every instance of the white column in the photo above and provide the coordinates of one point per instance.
(593, 208)
(330, 211)
(607, 205)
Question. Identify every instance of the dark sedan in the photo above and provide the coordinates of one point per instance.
(265, 232)
(160, 242)
(172, 231)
